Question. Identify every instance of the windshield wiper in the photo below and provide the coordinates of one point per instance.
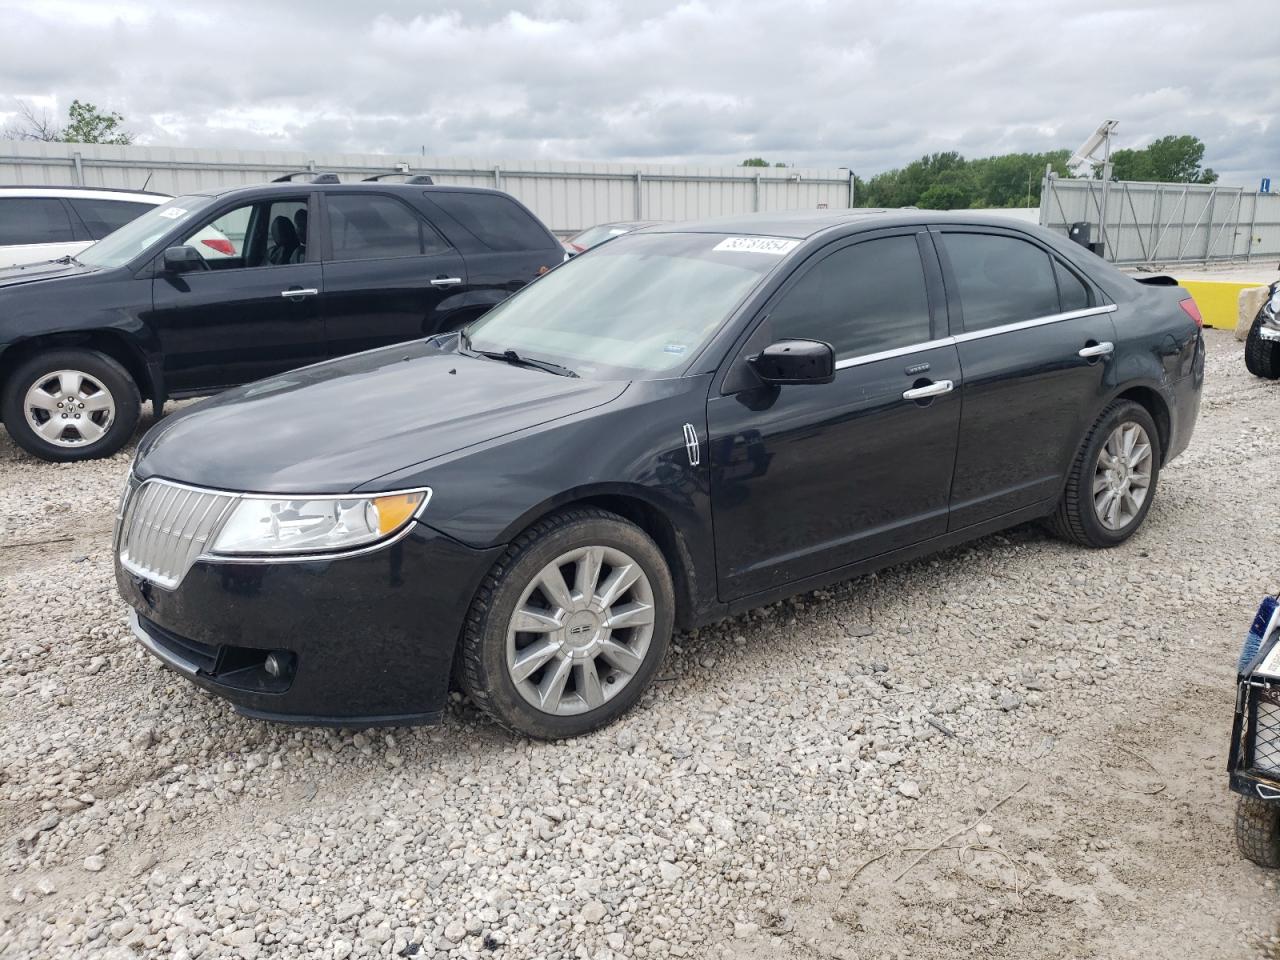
(516, 360)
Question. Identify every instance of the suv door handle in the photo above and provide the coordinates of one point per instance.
(299, 292)
(1103, 349)
(935, 389)
(446, 281)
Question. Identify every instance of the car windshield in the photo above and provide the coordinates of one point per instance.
(637, 308)
(118, 248)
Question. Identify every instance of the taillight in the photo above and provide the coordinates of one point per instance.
(221, 245)
(1191, 310)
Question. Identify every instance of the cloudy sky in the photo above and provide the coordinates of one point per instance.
(865, 85)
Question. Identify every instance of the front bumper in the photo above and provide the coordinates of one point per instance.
(366, 640)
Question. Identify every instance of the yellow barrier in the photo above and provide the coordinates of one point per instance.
(1218, 300)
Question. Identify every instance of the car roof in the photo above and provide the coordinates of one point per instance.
(97, 193)
(802, 224)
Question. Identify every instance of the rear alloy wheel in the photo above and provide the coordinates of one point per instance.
(570, 625)
(71, 405)
(1112, 480)
(1261, 357)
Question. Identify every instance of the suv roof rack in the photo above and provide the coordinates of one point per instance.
(315, 177)
(421, 179)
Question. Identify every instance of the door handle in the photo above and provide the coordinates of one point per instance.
(446, 281)
(935, 389)
(1103, 349)
(299, 292)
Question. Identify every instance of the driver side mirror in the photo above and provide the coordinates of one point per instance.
(182, 259)
(795, 361)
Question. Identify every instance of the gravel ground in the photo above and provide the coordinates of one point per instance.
(1013, 748)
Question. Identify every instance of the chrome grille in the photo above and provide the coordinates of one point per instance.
(165, 526)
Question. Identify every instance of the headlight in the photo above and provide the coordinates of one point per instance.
(315, 525)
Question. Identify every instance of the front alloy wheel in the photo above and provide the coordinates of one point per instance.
(570, 625)
(581, 630)
(1122, 476)
(69, 408)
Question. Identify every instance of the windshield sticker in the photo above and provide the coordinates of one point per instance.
(173, 213)
(772, 245)
(675, 348)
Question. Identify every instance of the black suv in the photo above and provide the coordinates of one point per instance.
(213, 290)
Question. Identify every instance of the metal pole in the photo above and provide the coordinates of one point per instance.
(756, 202)
(497, 177)
(1102, 212)
(639, 198)
(79, 168)
(853, 180)
(1253, 226)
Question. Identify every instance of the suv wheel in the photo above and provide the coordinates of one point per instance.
(1261, 357)
(569, 626)
(1112, 480)
(70, 405)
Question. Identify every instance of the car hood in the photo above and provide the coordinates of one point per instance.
(44, 270)
(332, 427)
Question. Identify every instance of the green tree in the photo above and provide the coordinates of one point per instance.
(1171, 159)
(755, 162)
(91, 125)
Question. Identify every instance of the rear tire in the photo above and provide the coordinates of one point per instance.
(70, 404)
(1084, 513)
(1258, 831)
(592, 645)
(1261, 357)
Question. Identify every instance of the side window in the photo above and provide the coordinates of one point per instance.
(378, 227)
(265, 234)
(34, 220)
(495, 220)
(1072, 293)
(106, 216)
(862, 299)
(1001, 279)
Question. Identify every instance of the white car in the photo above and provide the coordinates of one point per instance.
(46, 223)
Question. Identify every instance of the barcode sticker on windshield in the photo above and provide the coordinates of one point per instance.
(173, 213)
(774, 245)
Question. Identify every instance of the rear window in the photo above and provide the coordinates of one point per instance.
(496, 221)
(106, 216)
(26, 220)
(364, 227)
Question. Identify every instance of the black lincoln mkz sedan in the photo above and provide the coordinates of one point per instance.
(681, 424)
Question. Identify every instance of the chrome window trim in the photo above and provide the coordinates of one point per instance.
(974, 335)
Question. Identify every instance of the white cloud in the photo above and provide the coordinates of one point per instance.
(862, 84)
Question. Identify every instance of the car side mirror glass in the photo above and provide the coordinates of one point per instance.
(182, 259)
(795, 361)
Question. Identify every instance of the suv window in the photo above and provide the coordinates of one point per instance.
(264, 234)
(861, 299)
(103, 216)
(34, 220)
(1001, 279)
(378, 228)
(496, 221)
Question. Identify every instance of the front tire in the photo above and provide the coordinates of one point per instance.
(70, 404)
(1112, 480)
(1261, 357)
(570, 625)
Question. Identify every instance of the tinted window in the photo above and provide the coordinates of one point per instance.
(372, 227)
(34, 220)
(496, 221)
(107, 216)
(268, 234)
(1072, 293)
(862, 299)
(1001, 279)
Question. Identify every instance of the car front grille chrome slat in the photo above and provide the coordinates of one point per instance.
(165, 527)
